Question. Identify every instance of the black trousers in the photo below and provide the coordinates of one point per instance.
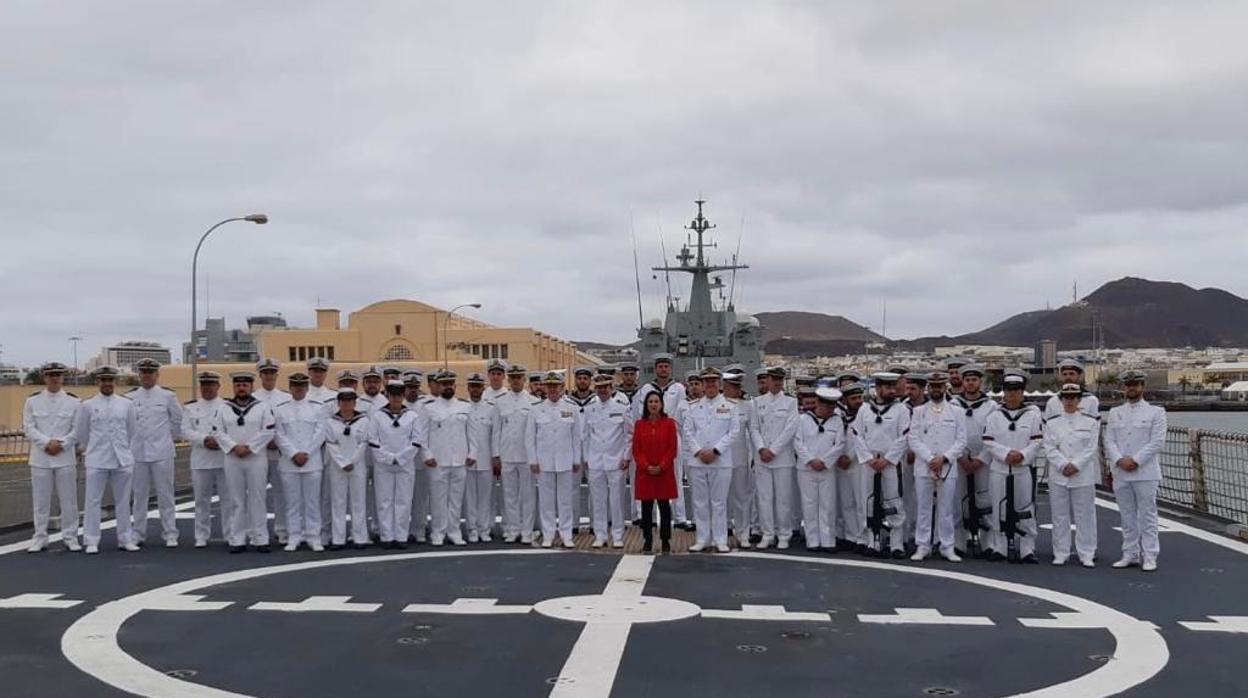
(665, 518)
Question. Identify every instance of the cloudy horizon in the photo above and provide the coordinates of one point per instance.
(963, 162)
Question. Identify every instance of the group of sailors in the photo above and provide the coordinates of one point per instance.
(921, 462)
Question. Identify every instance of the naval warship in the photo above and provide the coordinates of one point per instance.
(701, 333)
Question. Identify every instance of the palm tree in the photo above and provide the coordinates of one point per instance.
(1184, 384)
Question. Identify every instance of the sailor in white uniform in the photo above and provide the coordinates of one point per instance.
(496, 372)
(880, 442)
(850, 514)
(326, 397)
(773, 423)
(246, 429)
(346, 443)
(485, 431)
(937, 437)
(1071, 371)
(1134, 437)
(607, 434)
(553, 433)
(741, 490)
(373, 397)
(49, 418)
(519, 493)
(445, 434)
(1072, 448)
(819, 442)
(1013, 438)
(580, 397)
(710, 428)
(414, 400)
(274, 397)
(201, 424)
(107, 424)
(300, 436)
(975, 406)
(159, 418)
(915, 394)
(394, 441)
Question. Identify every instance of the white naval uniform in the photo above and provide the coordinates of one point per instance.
(881, 430)
(274, 399)
(908, 499)
(421, 484)
(1008, 430)
(393, 441)
(553, 433)
(366, 404)
(493, 394)
(582, 478)
(519, 484)
(1137, 429)
(822, 440)
(674, 400)
(772, 425)
(346, 443)
(1073, 439)
(158, 414)
(201, 420)
(712, 423)
(936, 429)
(851, 517)
(1088, 404)
(741, 489)
(106, 426)
(328, 399)
(607, 432)
(301, 429)
(445, 435)
(51, 416)
(979, 410)
(246, 477)
(485, 431)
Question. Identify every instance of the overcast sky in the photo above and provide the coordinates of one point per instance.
(964, 161)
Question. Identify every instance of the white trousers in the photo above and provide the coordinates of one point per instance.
(43, 481)
(774, 489)
(818, 493)
(606, 503)
(446, 500)
(741, 501)
(982, 499)
(302, 492)
(246, 480)
(946, 493)
(479, 501)
(578, 480)
(554, 498)
(348, 491)
(205, 484)
(890, 486)
(119, 481)
(1022, 503)
(849, 512)
(678, 505)
(151, 475)
(1078, 503)
(327, 504)
(279, 497)
(519, 499)
(1137, 503)
(710, 487)
(393, 486)
(422, 503)
(908, 499)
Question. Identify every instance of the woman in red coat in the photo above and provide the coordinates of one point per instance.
(654, 452)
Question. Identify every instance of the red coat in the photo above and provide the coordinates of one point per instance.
(654, 443)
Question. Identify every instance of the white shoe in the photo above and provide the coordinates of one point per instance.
(548, 543)
(473, 537)
(1087, 562)
(765, 542)
(458, 541)
(950, 555)
(526, 538)
(743, 543)
(598, 543)
(920, 555)
(697, 547)
(201, 544)
(93, 550)
(782, 544)
(72, 545)
(1149, 565)
(171, 543)
(130, 548)
(281, 539)
(569, 543)
(1059, 561)
(485, 538)
(722, 548)
(436, 542)
(512, 538)
(35, 548)
(1125, 563)
(291, 547)
(317, 547)
(617, 544)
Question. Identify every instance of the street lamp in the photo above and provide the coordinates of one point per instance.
(257, 218)
(75, 339)
(446, 321)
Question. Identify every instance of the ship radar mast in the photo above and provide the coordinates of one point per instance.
(694, 261)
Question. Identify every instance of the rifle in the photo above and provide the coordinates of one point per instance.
(1010, 517)
(877, 521)
(973, 517)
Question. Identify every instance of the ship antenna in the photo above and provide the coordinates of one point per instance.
(667, 275)
(632, 231)
(732, 285)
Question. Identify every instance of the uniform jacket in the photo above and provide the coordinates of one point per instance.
(393, 437)
(106, 426)
(819, 439)
(325, 397)
(1136, 429)
(249, 423)
(607, 431)
(711, 423)
(485, 430)
(300, 429)
(444, 432)
(346, 441)
(49, 416)
(880, 429)
(975, 412)
(936, 429)
(673, 395)
(1073, 439)
(773, 421)
(742, 452)
(553, 433)
(201, 419)
(159, 417)
(513, 415)
(1008, 430)
(1089, 404)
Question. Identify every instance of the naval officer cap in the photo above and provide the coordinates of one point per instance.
(53, 368)
(1014, 380)
(854, 388)
(267, 364)
(804, 381)
(446, 375)
(662, 357)
(390, 371)
(972, 370)
(733, 376)
(475, 379)
(937, 378)
(626, 366)
(606, 370)
(371, 372)
(1070, 363)
(535, 376)
(762, 372)
(955, 363)
(347, 394)
(411, 378)
(693, 376)
(107, 372)
(711, 373)
(1132, 376)
(347, 374)
(318, 363)
(777, 372)
(916, 377)
(603, 379)
(1071, 390)
(553, 377)
(806, 391)
(243, 377)
(297, 378)
(394, 387)
(147, 365)
(899, 369)
(885, 377)
(827, 394)
(209, 377)
(495, 365)
(583, 371)
(516, 370)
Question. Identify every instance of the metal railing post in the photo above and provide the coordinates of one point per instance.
(1200, 498)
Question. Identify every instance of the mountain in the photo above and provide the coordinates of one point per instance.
(799, 333)
(1129, 312)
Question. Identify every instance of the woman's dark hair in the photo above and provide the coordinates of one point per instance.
(645, 406)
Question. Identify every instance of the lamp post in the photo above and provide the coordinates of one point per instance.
(257, 218)
(446, 321)
(74, 340)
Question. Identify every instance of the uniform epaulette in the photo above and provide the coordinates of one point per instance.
(72, 395)
(461, 399)
(188, 402)
(538, 402)
(127, 395)
(36, 393)
(130, 391)
(164, 388)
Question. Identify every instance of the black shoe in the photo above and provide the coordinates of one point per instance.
(335, 546)
(263, 548)
(359, 546)
(899, 554)
(829, 550)
(960, 553)
(1031, 560)
(667, 547)
(636, 522)
(236, 549)
(400, 545)
(647, 547)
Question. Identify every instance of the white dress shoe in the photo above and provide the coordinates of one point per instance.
(765, 542)
(722, 548)
(485, 538)
(1125, 563)
(35, 548)
(458, 541)
(1149, 566)
(130, 547)
(291, 547)
(598, 543)
(617, 544)
(569, 543)
(1059, 561)
(473, 537)
(783, 544)
(697, 548)
(171, 544)
(512, 539)
(72, 545)
(950, 555)
(93, 550)
(920, 555)
(201, 544)
(1087, 562)
(743, 543)
(318, 547)
(548, 543)
(526, 538)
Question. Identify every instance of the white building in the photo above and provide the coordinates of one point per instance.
(124, 355)
(1236, 391)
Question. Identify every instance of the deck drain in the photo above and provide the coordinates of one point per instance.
(181, 673)
(795, 635)
(421, 627)
(1100, 657)
(1212, 570)
(560, 681)
(1140, 585)
(745, 595)
(473, 590)
(412, 640)
(940, 691)
(1028, 602)
(752, 649)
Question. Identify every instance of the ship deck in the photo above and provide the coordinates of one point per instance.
(519, 621)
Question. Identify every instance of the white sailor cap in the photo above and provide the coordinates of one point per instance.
(1013, 379)
(536, 376)
(663, 357)
(242, 377)
(854, 388)
(1070, 363)
(972, 369)
(733, 376)
(347, 394)
(629, 366)
(1071, 390)
(762, 372)
(583, 371)
(916, 377)
(393, 386)
(826, 394)
(390, 371)
(267, 364)
(885, 377)
(693, 376)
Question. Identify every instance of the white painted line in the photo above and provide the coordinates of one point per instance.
(922, 616)
(317, 604)
(1220, 624)
(38, 601)
(760, 612)
(104, 526)
(1073, 621)
(1160, 528)
(187, 602)
(468, 607)
(1223, 541)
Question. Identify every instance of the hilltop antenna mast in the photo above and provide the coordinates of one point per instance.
(632, 231)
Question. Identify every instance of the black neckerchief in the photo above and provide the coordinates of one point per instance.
(394, 416)
(242, 408)
(1012, 416)
(879, 414)
(971, 406)
(348, 422)
(820, 422)
(579, 402)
